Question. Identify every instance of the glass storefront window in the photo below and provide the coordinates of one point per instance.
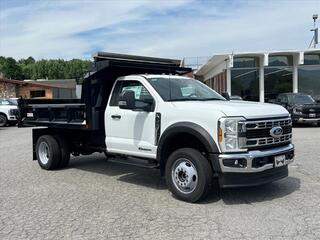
(280, 61)
(245, 83)
(311, 59)
(309, 80)
(277, 80)
(245, 62)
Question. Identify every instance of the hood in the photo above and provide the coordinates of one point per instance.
(236, 108)
(8, 107)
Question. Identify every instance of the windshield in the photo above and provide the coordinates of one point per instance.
(183, 89)
(300, 99)
(8, 102)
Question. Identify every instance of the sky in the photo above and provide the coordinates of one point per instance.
(169, 28)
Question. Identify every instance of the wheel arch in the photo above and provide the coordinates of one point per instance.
(3, 113)
(184, 131)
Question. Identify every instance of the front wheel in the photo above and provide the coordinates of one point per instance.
(3, 120)
(188, 174)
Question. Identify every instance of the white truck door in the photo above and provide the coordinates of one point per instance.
(130, 132)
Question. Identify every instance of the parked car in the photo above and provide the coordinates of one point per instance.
(317, 98)
(232, 97)
(8, 112)
(235, 98)
(174, 123)
(302, 107)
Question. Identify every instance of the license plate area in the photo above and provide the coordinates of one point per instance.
(312, 115)
(280, 160)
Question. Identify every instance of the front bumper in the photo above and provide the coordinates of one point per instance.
(259, 169)
(307, 120)
(256, 160)
(229, 180)
(12, 118)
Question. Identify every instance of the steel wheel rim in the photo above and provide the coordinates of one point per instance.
(44, 153)
(184, 175)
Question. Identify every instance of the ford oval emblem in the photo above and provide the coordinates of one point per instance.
(276, 132)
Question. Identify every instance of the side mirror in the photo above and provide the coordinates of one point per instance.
(146, 104)
(226, 95)
(127, 100)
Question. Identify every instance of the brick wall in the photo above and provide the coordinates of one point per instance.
(218, 82)
(7, 90)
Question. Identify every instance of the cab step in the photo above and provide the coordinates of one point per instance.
(137, 162)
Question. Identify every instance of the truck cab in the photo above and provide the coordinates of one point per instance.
(8, 111)
(172, 122)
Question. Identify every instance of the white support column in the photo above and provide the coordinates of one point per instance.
(229, 80)
(262, 63)
(295, 79)
(229, 66)
(296, 60)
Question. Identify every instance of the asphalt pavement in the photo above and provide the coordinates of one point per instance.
(97, 199)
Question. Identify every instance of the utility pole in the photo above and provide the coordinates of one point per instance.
(315, 31)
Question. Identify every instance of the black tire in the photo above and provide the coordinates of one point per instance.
(3, 120)
(202, 167)
(65, 152)
(53, 156)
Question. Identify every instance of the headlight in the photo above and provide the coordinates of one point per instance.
(13, 112)
(297, 111)
(231, 134)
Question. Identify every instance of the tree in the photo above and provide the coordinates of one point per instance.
(52, 69)
(11, 69)
(29, 60)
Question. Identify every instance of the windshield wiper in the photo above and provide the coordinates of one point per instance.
(184, 99)
(208, 99)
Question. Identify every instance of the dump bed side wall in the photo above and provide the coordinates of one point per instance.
(60, 113)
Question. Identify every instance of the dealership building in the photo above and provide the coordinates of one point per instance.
(261, 76)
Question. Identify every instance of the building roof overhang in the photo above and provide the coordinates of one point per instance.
(217, 59)
(31, 83)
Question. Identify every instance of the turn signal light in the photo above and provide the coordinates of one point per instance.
(220, 135)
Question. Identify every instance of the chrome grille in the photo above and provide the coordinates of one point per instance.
(268, 123)
(257, 134)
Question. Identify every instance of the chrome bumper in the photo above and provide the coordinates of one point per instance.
(251, 155)
(304, 120)
(12, 118)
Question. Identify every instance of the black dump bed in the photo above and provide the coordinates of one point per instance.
(87, 113)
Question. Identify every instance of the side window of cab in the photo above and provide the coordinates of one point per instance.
(140, 92)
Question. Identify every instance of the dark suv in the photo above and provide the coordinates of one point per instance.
(302, 107)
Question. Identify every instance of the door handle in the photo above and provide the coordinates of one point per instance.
(115, 116)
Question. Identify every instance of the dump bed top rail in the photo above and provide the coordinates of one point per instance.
(64, 113)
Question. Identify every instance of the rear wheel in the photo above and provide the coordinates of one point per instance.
(48, 152)
(3, 120)
(188, 174)
(65, 152)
